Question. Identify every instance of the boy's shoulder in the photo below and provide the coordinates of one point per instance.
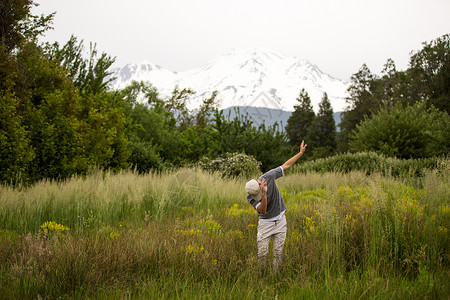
(273, 173)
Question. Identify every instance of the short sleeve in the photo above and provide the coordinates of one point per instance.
(253, 202)
(274, 173)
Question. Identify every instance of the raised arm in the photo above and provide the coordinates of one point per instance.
(262, 208)
(294, 158)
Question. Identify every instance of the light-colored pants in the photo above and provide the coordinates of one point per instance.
(266, 230)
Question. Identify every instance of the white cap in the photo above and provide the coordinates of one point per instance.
(252, 188)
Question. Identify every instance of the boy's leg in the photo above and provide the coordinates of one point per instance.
(263, 249)
(263, 239)
(278, 243)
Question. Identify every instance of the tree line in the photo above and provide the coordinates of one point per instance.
(403, 114)
(58, 116)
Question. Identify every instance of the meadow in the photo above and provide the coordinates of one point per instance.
(190, 234)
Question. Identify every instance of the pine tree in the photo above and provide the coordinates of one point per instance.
(322, 135)
(361, 104)
(299, 123)
(430, 70)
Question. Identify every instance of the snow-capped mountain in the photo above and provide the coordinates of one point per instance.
(249, 77)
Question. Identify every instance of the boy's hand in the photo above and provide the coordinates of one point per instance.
(263, 185)
(294, 158)
(303, 147)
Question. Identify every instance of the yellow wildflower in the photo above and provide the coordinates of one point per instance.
(296, 236)
(236, 211)
(109, 232)
(309, 224)
(50, 227)
(193, 248)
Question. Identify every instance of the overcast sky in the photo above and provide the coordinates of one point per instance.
(338, 36)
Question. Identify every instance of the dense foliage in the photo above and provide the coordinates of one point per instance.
(300, 122)
(322, 135)
(59, 118)
(404, 132)
(427, 80)
(53, 126)
(371, 162)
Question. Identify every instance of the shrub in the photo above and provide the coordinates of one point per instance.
(232, 165)
(370, 162)
(404, 132)
(144, 156)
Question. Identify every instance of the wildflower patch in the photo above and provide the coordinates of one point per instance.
(236, 211)
(50, 227)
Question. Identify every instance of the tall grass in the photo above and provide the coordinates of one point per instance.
(191, 234)
(105, 198)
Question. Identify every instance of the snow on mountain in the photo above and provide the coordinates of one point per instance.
(159, 77)
(245, 77)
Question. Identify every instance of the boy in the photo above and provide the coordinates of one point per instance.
(264, 196)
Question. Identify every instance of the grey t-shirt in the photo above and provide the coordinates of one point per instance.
(275, 204)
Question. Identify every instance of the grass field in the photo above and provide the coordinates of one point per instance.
(188, 234)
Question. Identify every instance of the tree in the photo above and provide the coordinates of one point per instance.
(104, 139)
(322, 134)
(301, 119)
(49, 128)
(150, 129)
(233, 135)
(197, 137)
(393, 86)
(15, 151)
(206, 110)
(17, 25)
(404, 132)
(90, 75)
(177, 105)
(360, 104)
(239, 135)
(430, 70)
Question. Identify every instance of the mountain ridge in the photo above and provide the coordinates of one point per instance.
(242, 77)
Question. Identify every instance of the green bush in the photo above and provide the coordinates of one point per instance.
(232, 165)
(144, 156)
(370, 162)
(404, 132)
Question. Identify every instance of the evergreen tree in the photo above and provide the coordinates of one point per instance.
(393, 87)
(430, 71)
(301, 119)
(426, 80)
(267, 145)
(322, 135)
(361, 104)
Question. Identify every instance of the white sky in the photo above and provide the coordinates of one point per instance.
(338, 36)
